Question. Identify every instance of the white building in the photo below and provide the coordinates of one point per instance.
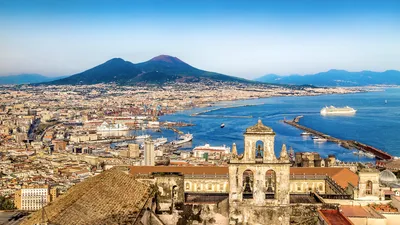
(149, 153)
(32, 198)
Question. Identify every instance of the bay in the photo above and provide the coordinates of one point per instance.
(375, 123)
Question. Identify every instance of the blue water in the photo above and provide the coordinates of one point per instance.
(375, 122)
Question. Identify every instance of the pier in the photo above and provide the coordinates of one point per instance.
(349, 144)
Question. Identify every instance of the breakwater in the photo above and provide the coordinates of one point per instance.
(349, 144)
(224, 116)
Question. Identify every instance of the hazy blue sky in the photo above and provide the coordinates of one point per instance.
(242, 38)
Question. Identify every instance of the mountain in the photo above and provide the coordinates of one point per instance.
(26, 79)
(337, 78)
(158, 70)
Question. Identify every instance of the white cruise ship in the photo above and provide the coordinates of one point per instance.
(104, 127)
(199, 151)
(331, 110)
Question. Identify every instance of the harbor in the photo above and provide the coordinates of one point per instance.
(348, 144)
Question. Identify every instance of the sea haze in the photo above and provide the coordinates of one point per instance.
(375, 122)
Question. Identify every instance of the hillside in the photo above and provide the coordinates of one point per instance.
(158, 70)
(337, 78)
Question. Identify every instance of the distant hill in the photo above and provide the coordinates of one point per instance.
(337, 78)
(26, 79)
(158, 70)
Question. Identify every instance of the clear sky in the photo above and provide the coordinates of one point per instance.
(242, 38)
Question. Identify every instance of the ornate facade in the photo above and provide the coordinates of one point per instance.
(259, 181)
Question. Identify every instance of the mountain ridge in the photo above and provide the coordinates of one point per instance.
(158, 70)
(26, 78)
(335, 77)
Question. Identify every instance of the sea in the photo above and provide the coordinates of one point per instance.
(376, 123)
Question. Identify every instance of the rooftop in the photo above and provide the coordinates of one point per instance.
(186, 170)
(104, 196)
(334, 217)
(342, 176)
(359, 211)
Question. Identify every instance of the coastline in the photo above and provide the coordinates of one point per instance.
(215, 103)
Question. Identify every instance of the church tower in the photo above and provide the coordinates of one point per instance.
(259, 181)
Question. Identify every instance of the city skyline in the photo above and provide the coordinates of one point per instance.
(229, 37)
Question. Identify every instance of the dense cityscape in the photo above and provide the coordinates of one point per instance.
(56, 137)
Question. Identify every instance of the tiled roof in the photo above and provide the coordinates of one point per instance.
(101, 199)
(209, 170)
(342, 176)
(359, 211)
(334, 217)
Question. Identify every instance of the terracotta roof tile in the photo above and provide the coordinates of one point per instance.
(334, 217)
(219, 170)
(342, 176)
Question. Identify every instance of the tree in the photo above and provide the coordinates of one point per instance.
(6, 203)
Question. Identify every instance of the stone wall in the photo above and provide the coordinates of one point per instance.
(209, 214)
(240, 214)
(170, 192)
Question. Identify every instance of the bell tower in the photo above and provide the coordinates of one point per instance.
(259, 181)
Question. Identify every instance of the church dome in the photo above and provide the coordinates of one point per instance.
(387, 176)
(259, 128)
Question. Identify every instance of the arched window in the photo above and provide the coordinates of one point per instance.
(248, 181)
(270, 184)
(259, 150)
(368, 190)
(187, 186)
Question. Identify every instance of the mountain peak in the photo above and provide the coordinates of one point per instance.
(167, 59)
(113, 60)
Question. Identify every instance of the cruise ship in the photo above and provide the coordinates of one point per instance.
(183, 139)
(331, 110)
(199, 151)
(104, 127)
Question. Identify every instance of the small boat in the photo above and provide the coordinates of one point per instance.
(314, 137)
(369, 155)
(319, 139)
(385, 101)
(222, 125)
(305, 134)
